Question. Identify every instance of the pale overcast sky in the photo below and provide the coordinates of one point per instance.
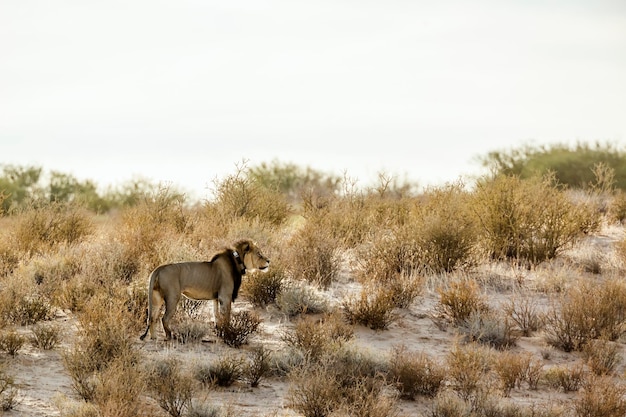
(181, 91)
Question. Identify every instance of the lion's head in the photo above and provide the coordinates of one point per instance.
(253, 258)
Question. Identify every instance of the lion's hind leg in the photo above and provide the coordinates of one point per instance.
(170, 308)
(153, 314)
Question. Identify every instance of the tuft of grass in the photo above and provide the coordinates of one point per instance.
(191, 331)
(118, 388)
(511, 369)
(585, 312)
(314, 256)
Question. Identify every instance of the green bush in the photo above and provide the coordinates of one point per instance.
(571, 165)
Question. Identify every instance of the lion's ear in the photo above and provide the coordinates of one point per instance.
(246, 247)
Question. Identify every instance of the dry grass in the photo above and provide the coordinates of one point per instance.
(80, 288)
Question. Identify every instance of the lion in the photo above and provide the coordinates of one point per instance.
(218, 279)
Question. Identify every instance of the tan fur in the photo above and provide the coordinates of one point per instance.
(218, 279)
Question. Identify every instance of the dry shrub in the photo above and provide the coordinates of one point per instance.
(529, 220)
(405, 289)
(102, 338)
(448, 404)
(11, 341)
(460, 298)
(468, 366)
(191, 331)
(367, 399)
(415, 373)
(512, 369)
(45, 335)
(313, 392)
(104, 331)
(257, 366)
(392, 253)
(602, 356)
(75, 293)
(523, 311)
(242, 325)
(298, 298)
(445, 230)
(22, 303)
(223, 372)
(241, 195)
(342, 381)
(170, 386)
(617, 207)
(119, 387)
(313, 256)
(9, 256)
(8, 391)
(373, 308)
(587, 311)
(159, 216)
(262, 288)
(489, 329)
(601, 397)
(317, 338)
(565, 378)
(38, 229)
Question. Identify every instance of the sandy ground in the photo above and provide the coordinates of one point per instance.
(43, 382)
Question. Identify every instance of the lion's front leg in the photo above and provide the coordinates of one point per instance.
(224, 311)
(216, 311)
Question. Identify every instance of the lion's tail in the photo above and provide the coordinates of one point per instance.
(153, 278)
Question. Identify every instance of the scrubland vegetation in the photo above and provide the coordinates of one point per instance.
(513, 286)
